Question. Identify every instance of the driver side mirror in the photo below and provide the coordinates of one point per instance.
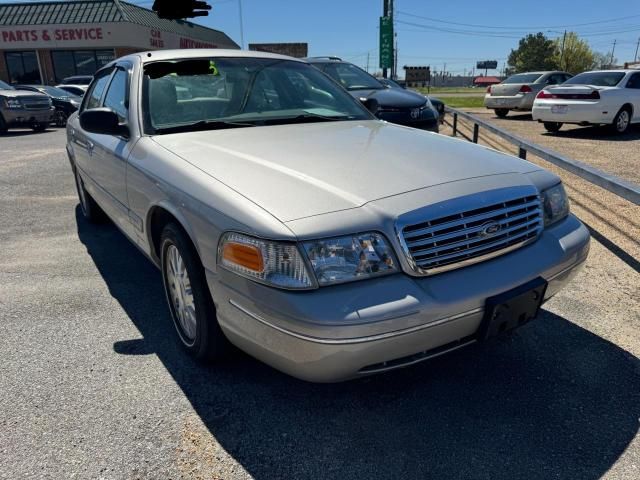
(103, 121)
(371, 104)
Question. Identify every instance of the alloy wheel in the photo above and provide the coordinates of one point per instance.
(180, 294)
(623, 121)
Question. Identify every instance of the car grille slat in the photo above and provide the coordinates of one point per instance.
(434, 225)
(469, 242)
(471, 236)
(465, 232)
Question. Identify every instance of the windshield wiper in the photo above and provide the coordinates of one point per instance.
(307, 118)
(203, 125)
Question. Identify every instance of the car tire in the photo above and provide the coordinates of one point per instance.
(39, 127)
(3, 126)
(190, 303)
(552, 127)
(622, 120)
(60, 118)
(91, 211)
(501, 112)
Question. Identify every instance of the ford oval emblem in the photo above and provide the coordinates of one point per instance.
(489, 229)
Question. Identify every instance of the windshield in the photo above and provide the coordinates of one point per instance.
(352, 77)
(599, 79)
(523, 78)
(78, 80)
(238, 92)
(55, 92)
(5, 86)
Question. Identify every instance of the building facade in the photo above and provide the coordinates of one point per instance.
(298, 50)
(45, 42)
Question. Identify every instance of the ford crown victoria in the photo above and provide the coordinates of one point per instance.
(287, 220)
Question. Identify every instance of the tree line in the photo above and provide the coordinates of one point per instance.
(568, 53)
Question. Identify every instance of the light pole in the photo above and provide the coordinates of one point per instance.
(564, 38)
(241, 25)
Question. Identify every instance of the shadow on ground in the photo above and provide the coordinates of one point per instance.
(598, 133)
(552, 401)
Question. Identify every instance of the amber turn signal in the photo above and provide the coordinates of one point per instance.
(247, 256)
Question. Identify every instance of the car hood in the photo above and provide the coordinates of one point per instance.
(392, 97)
(20, 93)
(297, 171)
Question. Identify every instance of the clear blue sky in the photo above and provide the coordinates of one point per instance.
(491, 28)
(348, 28)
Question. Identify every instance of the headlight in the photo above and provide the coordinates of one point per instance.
(352, 257)
(555, 204)
(13, 103)
(278, 264)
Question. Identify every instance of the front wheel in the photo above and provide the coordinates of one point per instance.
(60, 118)
(501, 112)
(39, 127)
(552, 127)
(622, 121)
(190, 303)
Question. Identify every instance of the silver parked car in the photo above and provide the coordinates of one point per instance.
(518, 91)
(286, 219)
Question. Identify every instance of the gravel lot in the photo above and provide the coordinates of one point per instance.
(596, 146)
(93, 384)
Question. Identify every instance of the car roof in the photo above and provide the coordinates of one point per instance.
(159, 55)
(324, 59)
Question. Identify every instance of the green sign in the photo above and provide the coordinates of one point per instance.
(386, 42)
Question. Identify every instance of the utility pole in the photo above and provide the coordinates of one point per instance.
(612, 51)
(564, 38)
(395, 58)
(367, 62)
(385, 13)
(635, 57)
(241, 24)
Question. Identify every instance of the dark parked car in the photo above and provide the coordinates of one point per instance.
(77, 80)
(64, 103)
(396, 105)
(437, 104)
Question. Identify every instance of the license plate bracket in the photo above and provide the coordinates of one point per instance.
(512, 309)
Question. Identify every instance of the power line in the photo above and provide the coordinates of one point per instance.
(516, 27)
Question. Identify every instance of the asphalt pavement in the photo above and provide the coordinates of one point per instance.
(94, 385)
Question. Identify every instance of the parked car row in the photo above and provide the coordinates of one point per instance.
(43, 104)
(605, 97)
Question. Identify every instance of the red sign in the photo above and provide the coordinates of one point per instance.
(59, 34)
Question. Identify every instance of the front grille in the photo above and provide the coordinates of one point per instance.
(467, 237)
(35, 103)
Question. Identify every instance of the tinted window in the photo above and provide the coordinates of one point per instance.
(634, 81)
(351, 77)
(116, 98)
(523, 78)
(5, 86)
(95, 92)
(599, 79)
(55, 92)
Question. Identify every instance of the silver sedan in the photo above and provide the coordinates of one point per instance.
(518, 92)
(289, 221)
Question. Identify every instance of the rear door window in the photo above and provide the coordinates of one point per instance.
(94, 95)
(117, 98)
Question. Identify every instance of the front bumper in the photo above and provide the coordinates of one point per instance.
(580, 112)
(515, 102)
(26, 118)
(345, 331)
(426, 121)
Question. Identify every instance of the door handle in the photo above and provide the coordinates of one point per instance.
(90, 146)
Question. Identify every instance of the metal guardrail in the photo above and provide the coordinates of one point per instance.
(623, 188)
